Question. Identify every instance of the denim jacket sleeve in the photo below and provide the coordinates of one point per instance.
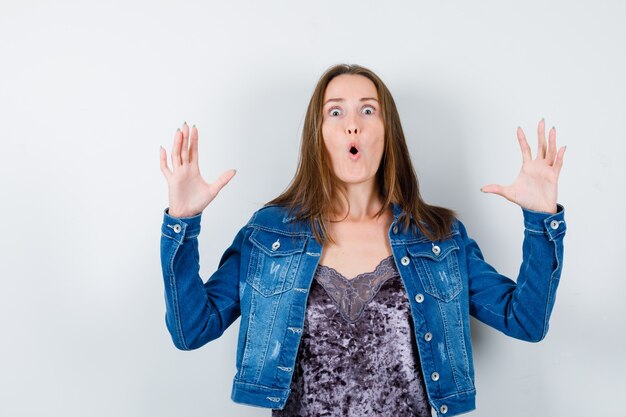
(520, 309)
(197, 312)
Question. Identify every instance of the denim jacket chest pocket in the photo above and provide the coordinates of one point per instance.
(274, 261)
(437, 266)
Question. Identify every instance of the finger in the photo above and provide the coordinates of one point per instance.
(493, 189)
(178, 138)
(551, 146)
(541, 134)
(193, 151)
(559, 160)
(523, 144)
(164, 168)
(184, 152)
(222, 180)
(502, 190)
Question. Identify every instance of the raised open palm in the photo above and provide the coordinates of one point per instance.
(535, 188)
(188, 193)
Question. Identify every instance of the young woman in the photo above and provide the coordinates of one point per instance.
(354, 294)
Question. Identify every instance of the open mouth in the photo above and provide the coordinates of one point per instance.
(353, 149)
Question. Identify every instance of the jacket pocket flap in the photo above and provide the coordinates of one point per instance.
(432, 250)
(276, 244)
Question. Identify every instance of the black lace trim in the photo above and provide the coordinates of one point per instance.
(352, 295)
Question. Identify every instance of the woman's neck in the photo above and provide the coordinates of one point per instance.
(364, 200)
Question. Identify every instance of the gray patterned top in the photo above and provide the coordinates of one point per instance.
(358, 354)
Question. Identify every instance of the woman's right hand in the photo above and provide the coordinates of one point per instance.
(189, 194)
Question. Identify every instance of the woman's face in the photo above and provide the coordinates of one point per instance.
(352, 128)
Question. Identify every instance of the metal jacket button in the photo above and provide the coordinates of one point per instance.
(428, 336)
(177, 228)
(443, 409)
(275, 245)
(405, 260)
(554, 224)
(436, 250)
(395, 229)
(419, 298)
(434, 376)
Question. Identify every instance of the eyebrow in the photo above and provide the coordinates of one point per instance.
(343, 99)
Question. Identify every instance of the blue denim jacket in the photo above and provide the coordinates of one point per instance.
(265, 276)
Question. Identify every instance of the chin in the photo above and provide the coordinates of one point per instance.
(354, 180)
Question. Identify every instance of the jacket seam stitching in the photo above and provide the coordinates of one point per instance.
(175, 301)
(463, 338)
(169, 237)
(444, 318)
(544, 331)
(470, 391)
(267, 345)
(279, 231)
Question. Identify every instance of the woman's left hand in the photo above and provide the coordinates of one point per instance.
(535, 188)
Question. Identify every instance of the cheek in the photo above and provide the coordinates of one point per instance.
(325, 133)
(329, 135)
(380, 127)
(328, 146)
(378, 135)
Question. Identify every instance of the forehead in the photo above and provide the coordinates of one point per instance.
(350, 86)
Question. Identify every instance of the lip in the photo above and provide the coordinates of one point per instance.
(356, 156)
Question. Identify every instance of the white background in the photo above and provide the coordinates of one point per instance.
(88, 92)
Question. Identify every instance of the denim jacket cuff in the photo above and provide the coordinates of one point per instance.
(180, 228)
(550, 224)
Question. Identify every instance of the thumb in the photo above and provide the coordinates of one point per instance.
(223, 179)
(492, 188)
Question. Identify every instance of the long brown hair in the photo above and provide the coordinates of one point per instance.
(313, 190)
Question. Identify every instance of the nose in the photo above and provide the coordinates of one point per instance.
(352, 127)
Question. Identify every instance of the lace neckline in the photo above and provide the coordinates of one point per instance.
(339, 274)
(352, 295)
